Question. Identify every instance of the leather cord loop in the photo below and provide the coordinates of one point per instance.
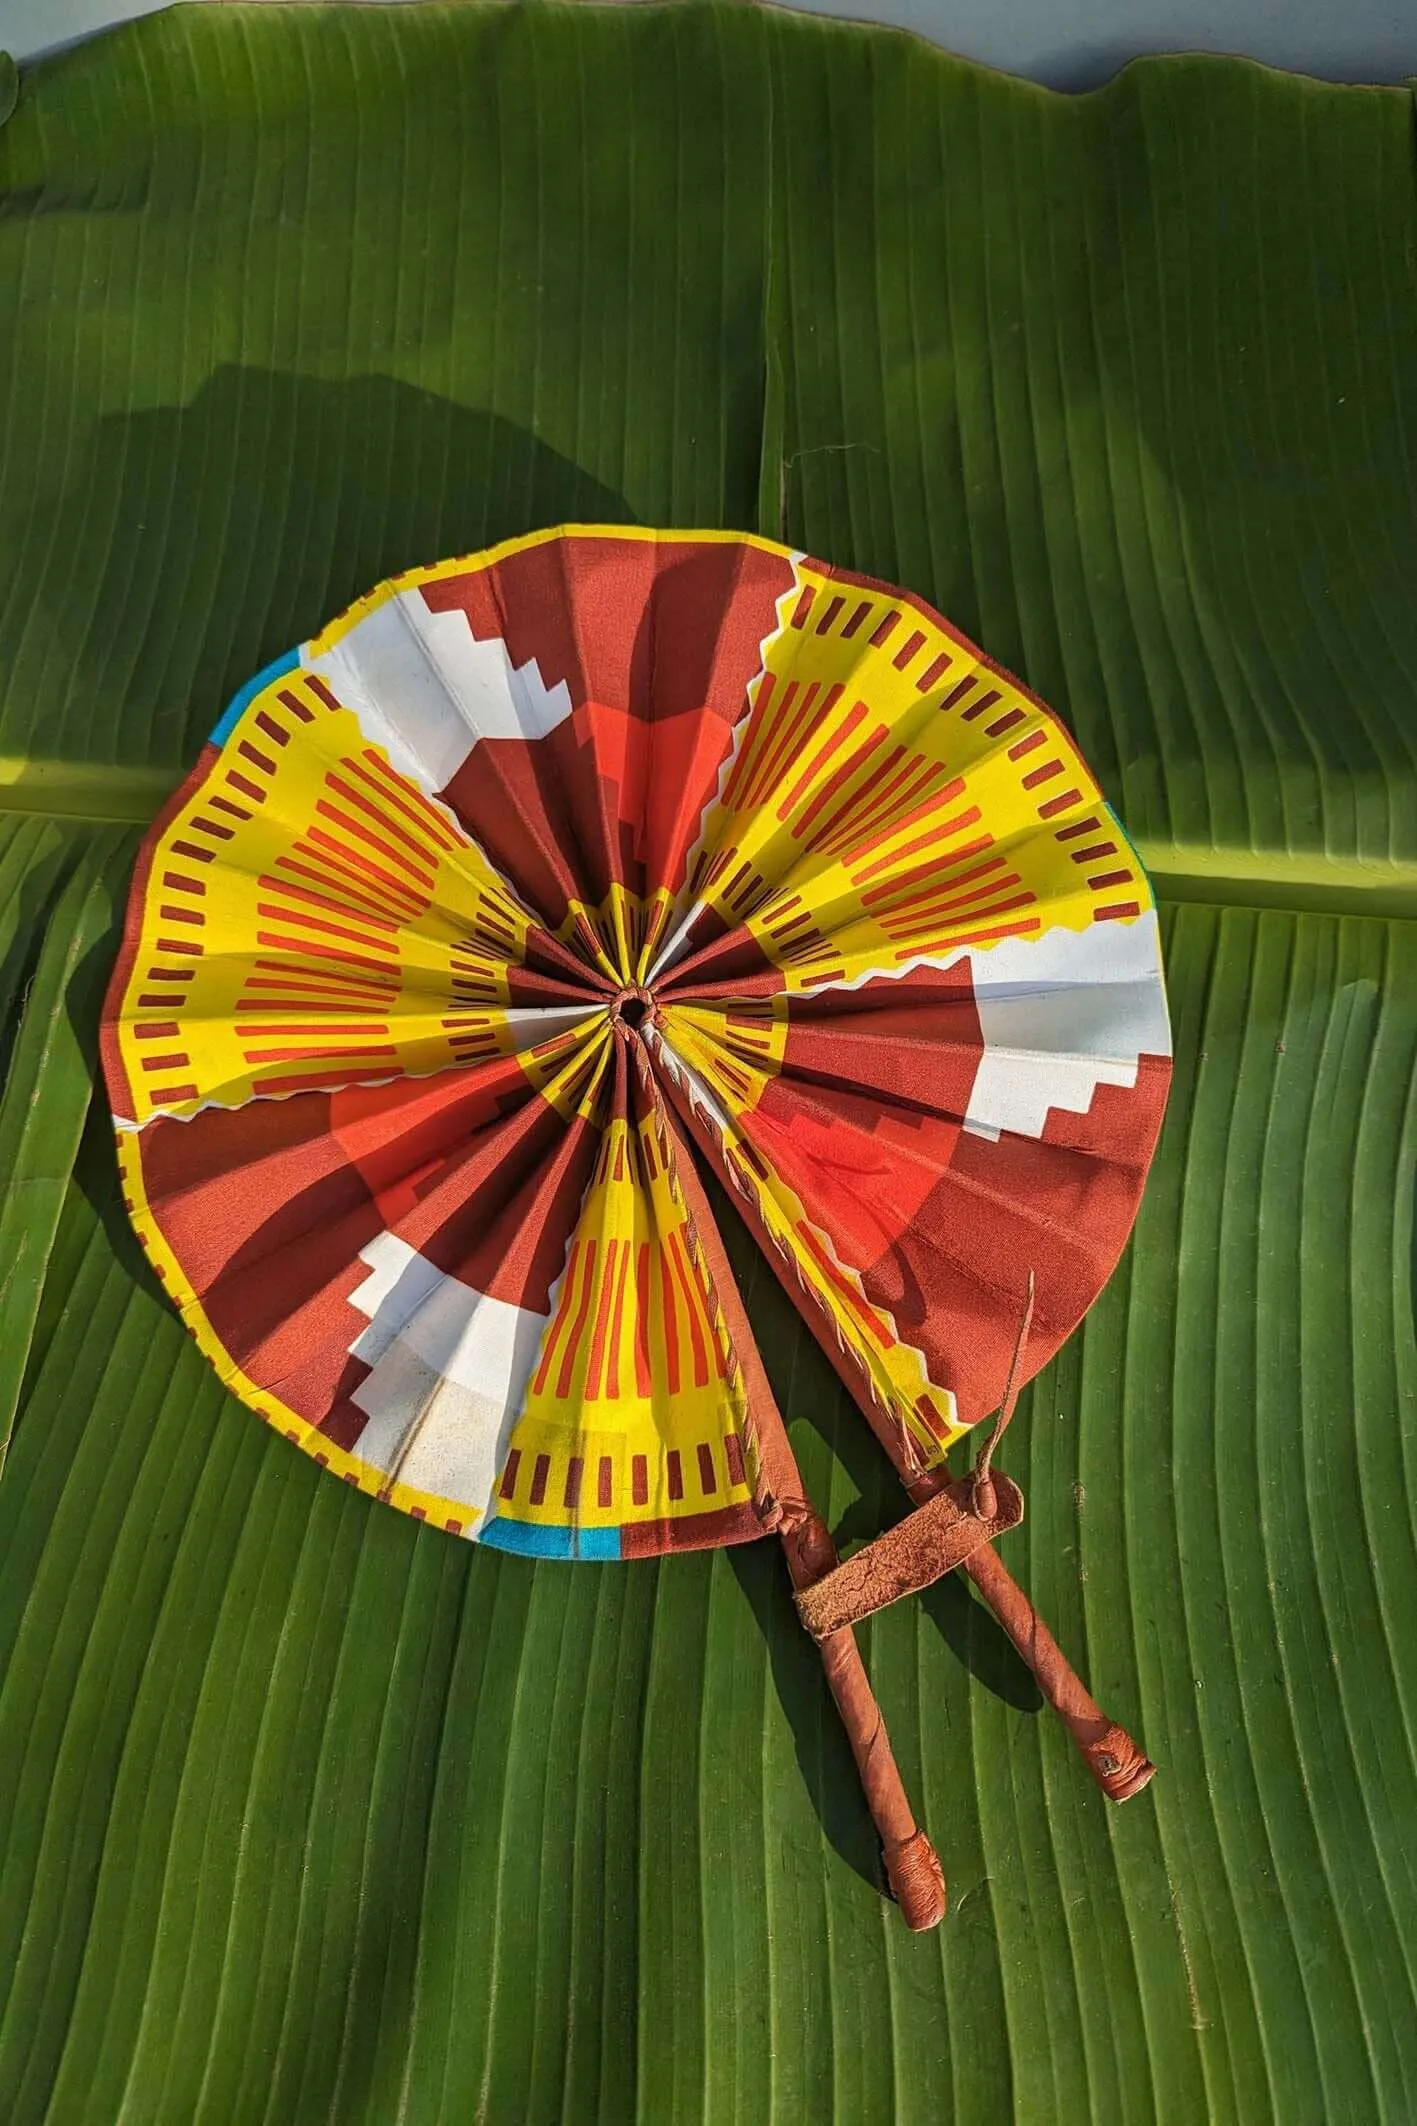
(982, 1481)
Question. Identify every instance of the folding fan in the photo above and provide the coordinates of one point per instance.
(541, 881)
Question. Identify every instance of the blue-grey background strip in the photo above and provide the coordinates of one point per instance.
(1071, 44)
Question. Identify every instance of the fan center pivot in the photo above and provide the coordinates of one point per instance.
(632, 1008)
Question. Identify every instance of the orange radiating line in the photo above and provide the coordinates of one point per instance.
(568, 1356)
(896, 891)
(306, 991)
(385, 849)
(602, 1320)
(325, 901)
(787, 740)
(753, 737)
(277, 914)
(922, 804)
(790, 725)
(406, 794)
(1023, 746)
(953, 943)
(360, 898)
(643, 1380)
(377, 988)
(364, 865)
(559, 1319)
(906, 921)
(353, 872)
(671, 1325)
(317, 1080)
(617, 1315)
(277, 943)
(825, 750)
(382, 819)
(938, 896)
(903, 789)
(303, 1053)
(941, 831)
(249, 1031)
(841, 824)
(841, 775)
(692, 1302)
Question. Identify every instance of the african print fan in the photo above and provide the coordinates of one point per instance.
(536, 880)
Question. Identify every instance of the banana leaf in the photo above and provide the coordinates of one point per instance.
(309, 1813)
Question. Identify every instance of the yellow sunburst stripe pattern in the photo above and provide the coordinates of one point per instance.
(635, 1411)
(311, 919)
(894, 798)
(734, 1048)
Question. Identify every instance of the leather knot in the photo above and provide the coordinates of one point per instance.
(811, 1553)
(917, 1881)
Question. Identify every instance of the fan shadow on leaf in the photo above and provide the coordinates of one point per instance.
(242, 505)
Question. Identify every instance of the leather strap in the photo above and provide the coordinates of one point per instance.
(919, 1550)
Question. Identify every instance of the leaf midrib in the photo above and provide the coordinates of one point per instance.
(1317, 881)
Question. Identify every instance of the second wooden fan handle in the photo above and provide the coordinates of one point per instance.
(1120, 1768)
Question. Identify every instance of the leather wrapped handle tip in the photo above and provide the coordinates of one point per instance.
(1120, 1768)
(912, 1865)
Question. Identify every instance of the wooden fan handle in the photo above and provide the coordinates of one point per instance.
(912, 1865)
(1120, 1768)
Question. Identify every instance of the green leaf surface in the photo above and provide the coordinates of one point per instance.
(308, 1813)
